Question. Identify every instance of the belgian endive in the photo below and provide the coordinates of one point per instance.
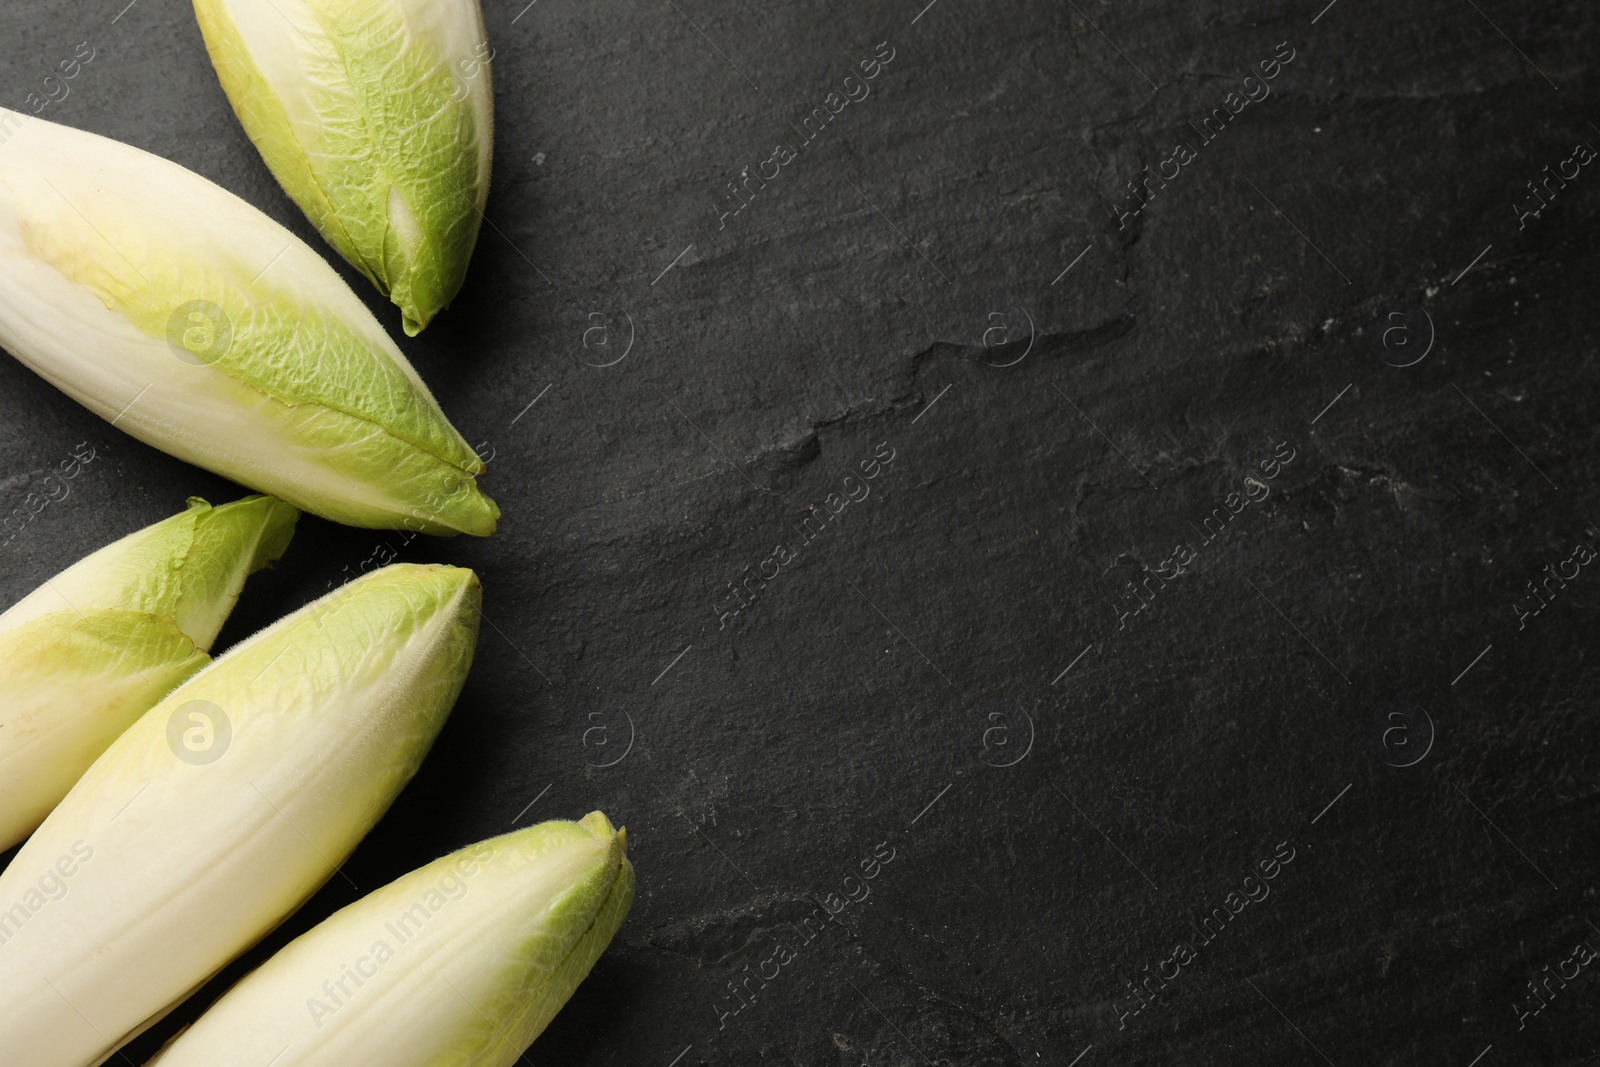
(223, 809)
(92, 649)
(462, 962)
(186, 317)
(377, 117)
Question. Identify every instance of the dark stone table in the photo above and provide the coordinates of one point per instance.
(1217, 423)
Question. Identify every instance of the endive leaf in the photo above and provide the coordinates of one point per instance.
(88, 652)
(181, 856)
(376, 116)
(73, 683)
(462, 962)
(188, 318)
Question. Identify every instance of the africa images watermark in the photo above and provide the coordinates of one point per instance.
(65, 71)
(856, 890)
(1253, 889)
(1004, 742)
(1212, 527)
(402, 929)
(1550, 184)
(52, 489)
(1254, 90)
(1541, 992)
(742, 594)
(51, 885)
(856, 89)
(1582, 555)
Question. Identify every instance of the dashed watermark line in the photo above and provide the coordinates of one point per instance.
(1323, 12)
(1297, 630)
(1113, 44)
(886, 1019)
(1102, 833)
(1513, 44)
(79, 612)
(96, 229)
(1480, 1056)
(504, 238)
(1286, 1019)
(713, 44)
(1502, 433)
(74, 1007)
(336, 866)
(518, 651)
(1508, 840)
(1474, 263)
(674, 263)
(680, 1056)
(1074, 263)
(897, 630)
(707, 436)
(523, 12)
(673, 664)
(503, 1035)
(1473, 664)
(702, 833)
(1331, 803)
(124, 11)
(1298, 230)
(283, 414)
(1332, 402)
(268, 267)
(932, 802)
(932, 402)
(1079, 1056)
(302, 33)
(130, 404)
(276, 657)
(1073, 664)
(531, 803)
(923, 12)
(897, 229)
(1102, 433)
(129, 804)
(532, 402)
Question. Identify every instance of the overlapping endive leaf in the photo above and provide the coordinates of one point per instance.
(188, 318)
(167, 859)
(462, 962)
(377, 117)
(96, 646)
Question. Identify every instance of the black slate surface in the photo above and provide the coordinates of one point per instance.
(955, 672)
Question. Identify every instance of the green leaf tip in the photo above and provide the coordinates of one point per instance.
(224, 808)
(218, 337)
(91, 650)
(376, 117)
(463, 961)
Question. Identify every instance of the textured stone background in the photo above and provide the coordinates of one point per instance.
(945, 671)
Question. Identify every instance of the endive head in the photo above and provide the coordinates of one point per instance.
(391, 645)
(462, 961)
(376, 116)
(188, 318)
(188, 569)
(96, 646)
(317, 723)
